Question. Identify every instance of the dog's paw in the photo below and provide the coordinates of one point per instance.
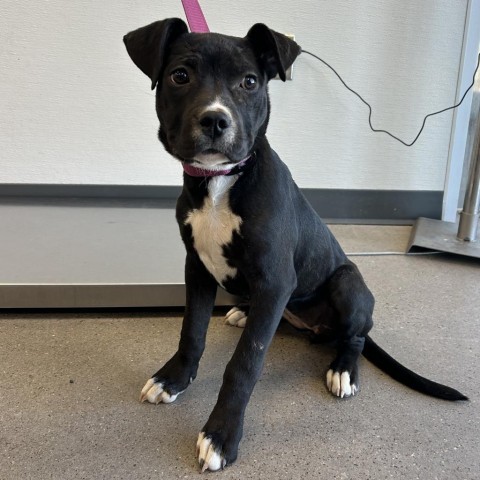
(209, 455)
(340, 384)
(236, 317)
(154, 392)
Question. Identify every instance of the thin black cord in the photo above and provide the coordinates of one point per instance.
(370, 108)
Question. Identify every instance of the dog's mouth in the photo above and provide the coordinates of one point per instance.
(212, 163)
(211, 159)
(211, 153)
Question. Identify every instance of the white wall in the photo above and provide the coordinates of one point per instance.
(75, 109)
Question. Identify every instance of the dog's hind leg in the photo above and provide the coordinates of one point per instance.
(237, 316)
(353, 304)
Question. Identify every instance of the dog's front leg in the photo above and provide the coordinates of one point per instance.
(217, 444)
(175, 376)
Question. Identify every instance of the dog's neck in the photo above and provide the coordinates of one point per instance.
(205, 172)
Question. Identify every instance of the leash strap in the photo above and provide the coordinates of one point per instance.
(196, 20)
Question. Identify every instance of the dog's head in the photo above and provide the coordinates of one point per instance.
(212, 98)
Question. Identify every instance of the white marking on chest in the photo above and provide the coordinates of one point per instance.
(213, 226)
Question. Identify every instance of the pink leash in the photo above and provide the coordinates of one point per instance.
(196, 20)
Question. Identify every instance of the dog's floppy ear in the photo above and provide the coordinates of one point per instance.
(147, 45)
(275, 51)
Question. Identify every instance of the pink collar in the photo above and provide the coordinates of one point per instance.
(201, 172)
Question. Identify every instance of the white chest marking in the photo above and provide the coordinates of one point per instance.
(213, 226)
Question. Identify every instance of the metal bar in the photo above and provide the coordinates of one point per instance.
(461, 115)
(467, 229)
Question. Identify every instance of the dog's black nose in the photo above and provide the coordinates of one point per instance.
(214, 123)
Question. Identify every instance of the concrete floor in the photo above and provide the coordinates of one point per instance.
(70, 382)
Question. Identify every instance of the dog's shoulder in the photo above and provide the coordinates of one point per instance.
(268, 194)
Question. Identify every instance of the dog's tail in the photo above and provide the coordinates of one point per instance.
(381, 359)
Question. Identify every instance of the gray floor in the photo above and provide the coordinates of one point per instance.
(69, 387)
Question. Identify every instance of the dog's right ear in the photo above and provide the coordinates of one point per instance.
(147, 45)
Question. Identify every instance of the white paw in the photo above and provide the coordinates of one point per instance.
(236, 317)
(153, 392)
(339, 384)
(208, 457)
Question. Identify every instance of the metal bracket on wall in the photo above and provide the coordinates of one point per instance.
(459, 238)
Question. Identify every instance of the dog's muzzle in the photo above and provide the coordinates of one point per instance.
(214, 130)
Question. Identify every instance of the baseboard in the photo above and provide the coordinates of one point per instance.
(335, 205)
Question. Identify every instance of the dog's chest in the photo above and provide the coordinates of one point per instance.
(213, 226)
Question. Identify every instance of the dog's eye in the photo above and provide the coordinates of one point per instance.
(249, 82)
(179, 76)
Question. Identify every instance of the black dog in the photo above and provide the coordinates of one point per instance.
(246, 226)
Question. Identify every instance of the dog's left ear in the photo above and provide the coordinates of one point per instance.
(147, 45)
(275, 51)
